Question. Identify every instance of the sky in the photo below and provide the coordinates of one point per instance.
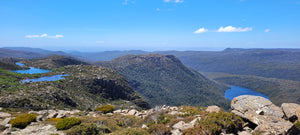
(150, 25)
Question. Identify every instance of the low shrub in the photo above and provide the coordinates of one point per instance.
(132, 131)
(23, 120)
(159, 129)
(84, 129)
(104, 129)
(256, 133)
(126, 121)
(54, 119)
(191, 111)
(297, 124)
(215, 123)
(106, 108)
(67, 123)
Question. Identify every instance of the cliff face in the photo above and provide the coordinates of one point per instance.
(163, 79)
(85, 87)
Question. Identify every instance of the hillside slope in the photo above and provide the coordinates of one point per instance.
(163, 79)
(85, 87)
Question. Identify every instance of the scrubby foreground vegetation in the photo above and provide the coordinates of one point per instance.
(249, 115)
(163, 120)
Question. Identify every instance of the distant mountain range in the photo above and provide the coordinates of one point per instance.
(281, 64)
(277, 63)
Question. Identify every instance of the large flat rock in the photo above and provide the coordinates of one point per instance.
(262, 112)
(291, 110)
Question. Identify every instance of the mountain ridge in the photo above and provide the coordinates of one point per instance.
(163, 79)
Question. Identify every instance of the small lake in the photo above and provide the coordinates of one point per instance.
(236, 91)
(20, 64)
(46, 78)
(33, 70)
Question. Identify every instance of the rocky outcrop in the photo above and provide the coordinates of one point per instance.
(213, 108)
(291, 110)
(48, 114)
(267, 117)
(37, 129)
(4, 115)
(142, 114)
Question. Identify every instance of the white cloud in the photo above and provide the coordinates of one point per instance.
(128, 1)
(174, 1)
(43, 36)
(201, 30)
(267, 30)
(32, 36)
(234, 29)
(56, 36)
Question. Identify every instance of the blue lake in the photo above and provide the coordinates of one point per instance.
(20, 64)
(32, 70)
(236, 91)
(46, 78)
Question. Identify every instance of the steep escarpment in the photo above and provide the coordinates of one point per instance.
(85, 87)
(163, 79)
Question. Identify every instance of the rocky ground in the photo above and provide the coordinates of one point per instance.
(258, 115)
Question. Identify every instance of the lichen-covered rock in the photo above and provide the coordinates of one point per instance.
(176, 132)
(291, 110)
(37, 129)
(244, 133)
(132, 112)
(251, 106)
(193, 122)
(263, 113)
(277, 128)
(4, 115)
(181, 125)
(213, 108)
(5, 121)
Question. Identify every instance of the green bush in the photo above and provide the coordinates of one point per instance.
(159, 129)
(215, 123)
(23, 120)
(106, 108)
(84, 129)
(67, 123)
(297, 124)
(132, 131)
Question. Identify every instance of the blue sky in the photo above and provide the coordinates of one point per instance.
(100, 25)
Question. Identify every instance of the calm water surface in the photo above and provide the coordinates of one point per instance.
(20, 64)
(46, 78)
(33, 70)
(236, 91)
